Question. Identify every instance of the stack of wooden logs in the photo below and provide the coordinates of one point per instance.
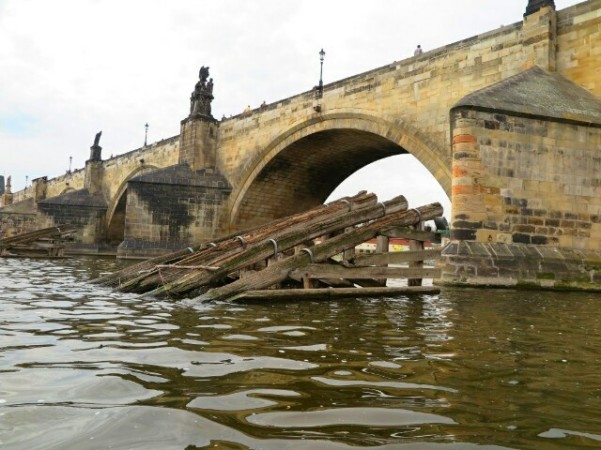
(313, 250)
(45, 243)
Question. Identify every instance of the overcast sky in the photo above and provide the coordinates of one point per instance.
(70, 68)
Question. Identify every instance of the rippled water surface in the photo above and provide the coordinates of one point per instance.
(83, 367)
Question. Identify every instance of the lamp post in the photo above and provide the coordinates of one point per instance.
(146, 134)
(70, 161)
(322, 55)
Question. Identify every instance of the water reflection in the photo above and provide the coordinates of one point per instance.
(465, 369)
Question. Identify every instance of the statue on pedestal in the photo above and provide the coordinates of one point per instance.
(200, 100)
(96, 149)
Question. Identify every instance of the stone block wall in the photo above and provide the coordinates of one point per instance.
(14, 223)
(526, 180)
(119, 169)
(579, 44)
(526, 202)
(73, 180)
(170, 209)
(78, 208)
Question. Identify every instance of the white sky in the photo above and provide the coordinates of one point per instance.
(70, 68)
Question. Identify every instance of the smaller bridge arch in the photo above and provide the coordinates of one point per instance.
(115, 215)
(302, 166)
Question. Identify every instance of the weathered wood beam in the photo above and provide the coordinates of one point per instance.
(329, 293)
(314, 271)
(418, 235)
(144, 267)
(395, 257)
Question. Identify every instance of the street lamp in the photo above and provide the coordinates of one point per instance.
(146, 134)
(322, 55)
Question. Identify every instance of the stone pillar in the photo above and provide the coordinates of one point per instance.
(198, 143)
(539, 35)
(39, 186)
(7, 196)
(468, 210)
(94, 172)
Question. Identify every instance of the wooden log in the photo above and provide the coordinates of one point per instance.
(418, 235)
(320, 252)
(315, 271)
(329, 293)
(130, 272)
(234, 245)
(416, 246)
(382, 245)
(288, 239)
(395, 257)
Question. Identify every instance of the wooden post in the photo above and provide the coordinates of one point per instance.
(349, 254)
(415, 245)
(382, 243)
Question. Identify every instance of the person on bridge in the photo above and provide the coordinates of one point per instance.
(418, 51)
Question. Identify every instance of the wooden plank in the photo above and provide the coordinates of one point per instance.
(408, 233)
(416, 246)
(315, 271)
(395, 257)
(329, 293)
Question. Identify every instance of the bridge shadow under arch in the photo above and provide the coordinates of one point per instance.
(301, 168)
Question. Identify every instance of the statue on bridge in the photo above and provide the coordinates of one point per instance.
(97, 139)
(200, 100)
(96, 149)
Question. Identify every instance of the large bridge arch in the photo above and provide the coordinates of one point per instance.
(302, 166)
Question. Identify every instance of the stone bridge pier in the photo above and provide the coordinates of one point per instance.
(507, 122)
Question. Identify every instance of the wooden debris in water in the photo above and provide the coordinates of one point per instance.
(299, 250)
(44, 243)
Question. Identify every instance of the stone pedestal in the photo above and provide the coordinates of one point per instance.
(198, 143)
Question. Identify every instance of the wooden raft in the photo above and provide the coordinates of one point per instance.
(307, 255)
(44, 243)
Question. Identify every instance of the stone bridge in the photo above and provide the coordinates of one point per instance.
(508, 122)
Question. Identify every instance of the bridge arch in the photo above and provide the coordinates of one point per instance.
(302, 166)
(66, 190)
(115, 216)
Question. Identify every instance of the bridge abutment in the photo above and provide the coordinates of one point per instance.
(526, 191)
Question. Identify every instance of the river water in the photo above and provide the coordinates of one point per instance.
(84, 367)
